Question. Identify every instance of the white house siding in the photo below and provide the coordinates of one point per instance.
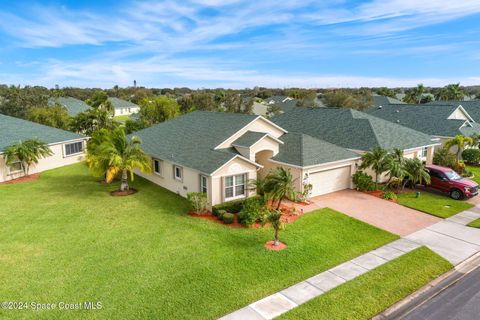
(58, 159)
(125, 111)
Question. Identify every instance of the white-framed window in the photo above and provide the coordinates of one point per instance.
(235, 186)
(157, 167)
(203, 184)
(424, 152)
(73, 148)
(15, 167)
(178, 173)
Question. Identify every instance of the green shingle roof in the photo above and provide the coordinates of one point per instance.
(285, 106)
(13, 130)
(120, 103)
(303, 150)
(427, 118)
(73, 106)
(248, 139)
(351, 129)
(471, 106)
(190, 140)
(379, 100)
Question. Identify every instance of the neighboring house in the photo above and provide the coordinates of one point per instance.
(72, 105)
(67, 147)
(123, 107)
(283, 102)
(471, 106)
(218, 152)
(441, 121)
(379, 100)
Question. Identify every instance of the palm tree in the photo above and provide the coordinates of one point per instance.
(123, 155)
(443, 157)
(279, 184)
(27, 152)
(395, 164)
(416, 173)
(378, 160)
(275, 219)
(460, 142)
(451, 92)
(99, 166)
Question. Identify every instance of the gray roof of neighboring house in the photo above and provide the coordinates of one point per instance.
(285, 106)
(120, 103)
(189, 140)
(249, 138)
(13, 130)
(427, 118)
(351, 129)
(379, 100)
(471, 106)
(303, 150)
(74, 106)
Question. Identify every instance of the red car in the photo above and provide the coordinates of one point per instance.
(447, 180)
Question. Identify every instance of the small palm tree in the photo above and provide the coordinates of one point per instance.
(275, 219)
(123, 155)
(460, 142)
(279, 184)
(378, 160)
(27, 152)
(395, 165)
(415, 172)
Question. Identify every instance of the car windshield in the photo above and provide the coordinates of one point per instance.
(452, 175)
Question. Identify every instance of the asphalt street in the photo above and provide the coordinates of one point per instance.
(461, 301)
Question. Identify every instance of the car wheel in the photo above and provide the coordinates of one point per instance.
(456, 194)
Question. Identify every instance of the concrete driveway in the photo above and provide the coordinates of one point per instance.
(383, 214)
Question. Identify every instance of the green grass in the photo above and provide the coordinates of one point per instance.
(64, 238)
(122, 118)
(435, 204)
(476, 171)
(373, 292)
(475, 223)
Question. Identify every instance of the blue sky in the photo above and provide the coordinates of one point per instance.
(230, 43)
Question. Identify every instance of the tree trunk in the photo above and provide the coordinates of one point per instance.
(276, 242)
(376, 180)
(124, 184)
(279, 203)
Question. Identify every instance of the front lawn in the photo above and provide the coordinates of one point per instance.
(475, 223)
(435, 204)
(373, 292)
(476, 172)
(64, 238)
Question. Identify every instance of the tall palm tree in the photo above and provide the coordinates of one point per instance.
(460, 142)
(279, 184)
(98, 165)
(415, 171)
(378, 160)
(395, 164)
(123, 155)
(27, 152)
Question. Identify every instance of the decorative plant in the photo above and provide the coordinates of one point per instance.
(389, 195)
(443, 157)
(460, 142)
(415, 172)
(377, 160)
(27, 152)
(279, 185)
(254, 209)
(198, 201)
(363, 181)
(275, 219)
(471, 156)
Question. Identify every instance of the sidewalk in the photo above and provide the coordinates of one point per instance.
(449, 238)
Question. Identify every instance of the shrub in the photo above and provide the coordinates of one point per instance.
(389, 195)
(198, 201)
(471, 156)
(231, 206)
(220, 213)
(443, 157)
(254, 209)
(228, 218)
(459, 167)
(363, 181)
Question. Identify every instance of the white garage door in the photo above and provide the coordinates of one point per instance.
(330, 180)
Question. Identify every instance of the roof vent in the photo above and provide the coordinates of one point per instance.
(380, 107)
(398, 121)
(397, 111)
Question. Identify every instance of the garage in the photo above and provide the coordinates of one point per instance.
(330, 180)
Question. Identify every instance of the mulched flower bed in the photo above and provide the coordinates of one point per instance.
(269, 245)
(28, 178)
(210, 216)
(118, 193)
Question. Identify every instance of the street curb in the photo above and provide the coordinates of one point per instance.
(430, 290)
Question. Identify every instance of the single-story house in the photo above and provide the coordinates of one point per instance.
(442, 121)
(123, 107)
(72, 105)
(67, 147)
(218, 152)
(379, 100)
(471, 106)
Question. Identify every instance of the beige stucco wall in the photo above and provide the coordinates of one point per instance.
(191, 179)
(54, 161)
(266, 143)
(259, 125)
